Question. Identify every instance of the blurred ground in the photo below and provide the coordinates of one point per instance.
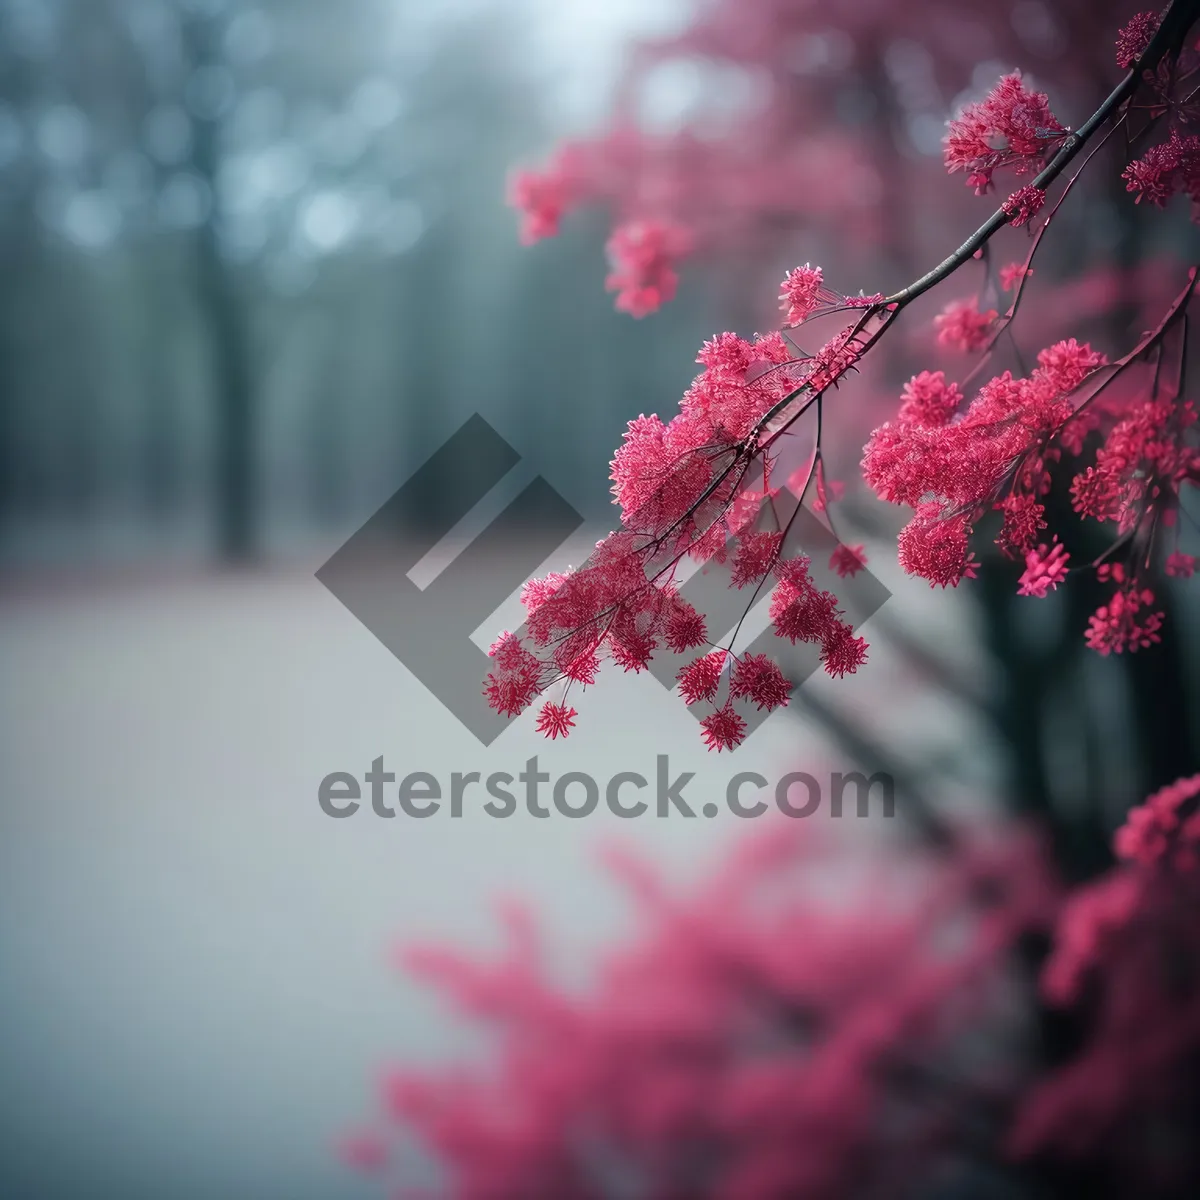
(196, 986)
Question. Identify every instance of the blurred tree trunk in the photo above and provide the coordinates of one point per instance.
(25, 479)
(225, 326)
(426, 314)
(161, 444)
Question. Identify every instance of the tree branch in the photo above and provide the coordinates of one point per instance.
(1178, 19)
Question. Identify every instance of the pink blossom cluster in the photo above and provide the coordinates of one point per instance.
(1045, 569)
(1166, 170)
(962, 326)
(1010, 127)
(1012, 274)
(952, 466)
(1134, 37)
(761, 1038)
(1172, 166)
(825, 1041)
(606, 605)
(543, 197)
(643, 256)
(1180, 565)
(1024, 204)
(1127, 951)
(1144, 460)
(694, 485)
(684, 487)
(798, 161)
(1139, 469)
(804, 292)
(1166, 826)
(801, 612)
(1126, 622)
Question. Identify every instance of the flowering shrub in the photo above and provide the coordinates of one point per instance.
(1120, 430)
(812, 1023)
(713, 1056)
(1128, 945)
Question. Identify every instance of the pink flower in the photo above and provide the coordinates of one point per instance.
(962, 326)
(935, 546)
(723, 729)
(1170, 167)
(847, 561)
(1096, 493)
(541, 199)
(756, 555)
(1024, 204)
(1182, 566)
(1065, 365)
(842, 653)
(928, 399)
(759, 679)
(701, 677)
(681, 491)
(1152, 826)
(1045, 569)
(1145, 444)
(1134, 38)
(643, 255)
(798, 610)
(514, 681)
(556, 720)
(1123, 624)
(1091, 915)
(1012, 274)
(684, 628)
(1010, 127)
(803, 293)
(1024, 519)
(582, 670)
